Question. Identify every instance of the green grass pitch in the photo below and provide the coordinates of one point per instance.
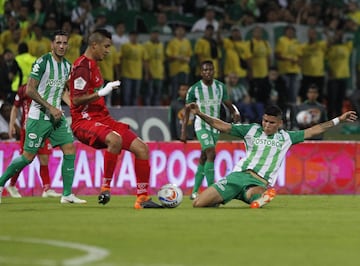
(290, 231)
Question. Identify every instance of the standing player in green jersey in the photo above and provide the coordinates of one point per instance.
(208, 94)
(45, 118)
(266, 147)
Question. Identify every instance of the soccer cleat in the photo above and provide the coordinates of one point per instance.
(13, 191)
(194, 195)
(144, 202)
(265, 198)
(104, 197)
(71, 199)
(50, 193)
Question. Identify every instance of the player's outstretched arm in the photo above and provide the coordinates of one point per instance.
(212, 121)
(349, 116)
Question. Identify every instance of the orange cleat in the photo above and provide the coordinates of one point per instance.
(265, 198)
(143, 202)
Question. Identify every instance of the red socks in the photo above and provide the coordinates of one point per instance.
(110, 160)
(45, 177)
(142, 171)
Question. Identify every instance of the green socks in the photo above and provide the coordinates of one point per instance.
(208, 170)
(199, 175)
(67, 171)
(209, 173)
(15, 166)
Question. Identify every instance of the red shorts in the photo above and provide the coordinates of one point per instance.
(45, 149)
(94, 132)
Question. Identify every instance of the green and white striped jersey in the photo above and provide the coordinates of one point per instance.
(209, 99)
(264, 154)
(52, 76)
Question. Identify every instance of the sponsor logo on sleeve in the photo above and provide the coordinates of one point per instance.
(79, 83)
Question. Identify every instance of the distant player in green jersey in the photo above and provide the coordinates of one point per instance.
(266, 147)
(208, 94)
(46, 119)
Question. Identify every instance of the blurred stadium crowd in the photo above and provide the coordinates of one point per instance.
(266, 51)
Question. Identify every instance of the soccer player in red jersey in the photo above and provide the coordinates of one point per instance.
(23, 101)
(93, 125)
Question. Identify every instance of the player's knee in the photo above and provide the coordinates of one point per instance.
(114, 143)
(140, 149)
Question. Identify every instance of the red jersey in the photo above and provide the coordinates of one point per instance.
(22, 101)
(85, 78)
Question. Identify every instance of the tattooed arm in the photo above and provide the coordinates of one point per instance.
(212, 121)
(349, 116)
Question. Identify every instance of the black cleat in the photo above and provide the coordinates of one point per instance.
(144, 202)
(104, 197)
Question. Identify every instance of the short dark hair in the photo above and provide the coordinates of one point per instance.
(58, 32)
(313, 86)
(206, 62)
(23, 48)
(273, 110)
(98, 35)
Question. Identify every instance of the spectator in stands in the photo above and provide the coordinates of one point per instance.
(101, 22)
(237, 55)
(5, 111)
(313, 64)
(233, 14)
(273, 91)
(338, 56)
(208, 19)
(75, 40)
(250, 110)
(156, 58)
(38, 44)
(110, 69)
(287, 53)
(260, 62)
(315, 111)
(207, 48)
(11, 37)
(176, 115)
(119, 37)
(51, 25)
(9, 69)
(170, 6)
(37, 16)
(178, 52)
(133, 64)
(25, 61)
(161, 23)
(353, 12)
(23, 17)
(82, 16)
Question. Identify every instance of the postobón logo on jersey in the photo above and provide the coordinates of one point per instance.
(79, 83)
(55, 82)
(32, 136)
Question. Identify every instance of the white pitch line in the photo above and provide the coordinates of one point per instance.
(93, 253)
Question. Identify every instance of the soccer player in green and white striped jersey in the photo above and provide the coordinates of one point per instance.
(266, 147)
(208, 93)
(45, 118)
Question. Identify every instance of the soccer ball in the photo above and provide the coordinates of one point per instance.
(304, 118)
(170, 195)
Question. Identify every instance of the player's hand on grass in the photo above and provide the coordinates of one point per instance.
(108, 88)
(349, 116)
